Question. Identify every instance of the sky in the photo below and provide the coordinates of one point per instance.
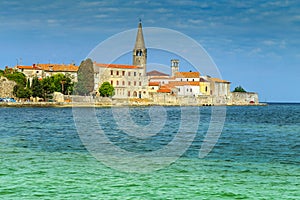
(254, 44)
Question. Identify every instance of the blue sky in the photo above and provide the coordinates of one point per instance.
(254, 43)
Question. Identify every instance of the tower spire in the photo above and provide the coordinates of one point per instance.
(140, 51)
(139, 42)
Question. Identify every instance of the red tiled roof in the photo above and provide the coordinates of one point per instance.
(154, 83)
(187, 74)
(58, 67)
(164, 90)
(117, 66)
(28, 67)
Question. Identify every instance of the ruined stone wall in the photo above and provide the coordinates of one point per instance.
(6, 87)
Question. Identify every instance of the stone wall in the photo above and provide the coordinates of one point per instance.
(6, 87)
(243, 98)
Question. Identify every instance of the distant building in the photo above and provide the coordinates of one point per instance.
(44, 70)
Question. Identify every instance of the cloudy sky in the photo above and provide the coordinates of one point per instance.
(253, 43)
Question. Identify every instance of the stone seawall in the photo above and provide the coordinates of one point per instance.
(239, 99)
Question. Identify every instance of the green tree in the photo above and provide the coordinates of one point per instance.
(57, 83)
(85, 76)
(36, 87)
(239, 89)
(106, 90)
(21, 92)
(18, 77)
(48, 87)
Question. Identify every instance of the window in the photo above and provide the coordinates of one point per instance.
(134, 73)
(111, 82)
(128, 73)
(206, 89)
(152, 88)
(117, 73)
(111, 72)
(134, 83)
(140, 83)
(123, 82)
(128, 94)
(191, 90)
(193, 80)
(123, 73)
(117, 82)
(128, 83)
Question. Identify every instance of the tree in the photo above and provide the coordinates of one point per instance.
(85, 76)
(57, 83)
(36, 87)
(18, 77)
(239, 89)
(106, 90)
(21, 92)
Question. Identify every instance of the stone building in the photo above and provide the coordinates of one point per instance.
(128, 80)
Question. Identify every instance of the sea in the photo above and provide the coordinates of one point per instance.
(251, 152)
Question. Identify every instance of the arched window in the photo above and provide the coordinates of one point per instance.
(134, 94)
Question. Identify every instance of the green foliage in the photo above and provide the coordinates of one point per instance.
(36, 87)
(106, 90)
(21, 92)
(57, 83)
(85, 76)
(1, 72)
(18, 77)
(239, 89)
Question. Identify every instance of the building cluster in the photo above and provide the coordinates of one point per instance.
(45, 70)
(133, 81)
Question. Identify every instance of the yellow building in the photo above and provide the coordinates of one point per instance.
(205, 87)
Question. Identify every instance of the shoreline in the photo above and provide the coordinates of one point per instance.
(103, 105)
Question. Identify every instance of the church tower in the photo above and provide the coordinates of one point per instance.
(140, 51)
(174, 67)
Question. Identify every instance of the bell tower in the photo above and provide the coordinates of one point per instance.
(140, 51)
(174, 66)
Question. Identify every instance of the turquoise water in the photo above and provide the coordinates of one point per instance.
(256, 157)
